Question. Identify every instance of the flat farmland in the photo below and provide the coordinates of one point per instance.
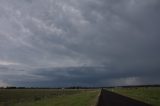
(47, 97)
(150, 95)
(79, 97)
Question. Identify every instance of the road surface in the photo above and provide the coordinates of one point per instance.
(108, 98)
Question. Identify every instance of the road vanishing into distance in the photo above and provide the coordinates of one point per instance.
(108, 98)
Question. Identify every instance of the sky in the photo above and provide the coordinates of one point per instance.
(60, 43)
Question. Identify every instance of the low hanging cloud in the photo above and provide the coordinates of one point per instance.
(79, 42)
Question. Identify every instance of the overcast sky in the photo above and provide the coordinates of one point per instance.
(54, 43)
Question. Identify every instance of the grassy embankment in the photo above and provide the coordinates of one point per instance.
(149, 95)
(45, 97)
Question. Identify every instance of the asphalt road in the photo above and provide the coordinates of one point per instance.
(108, 98)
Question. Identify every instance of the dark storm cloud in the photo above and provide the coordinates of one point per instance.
(79, 42)
(88, 76)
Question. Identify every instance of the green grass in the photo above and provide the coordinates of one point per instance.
(45, 97)
(82, 99)
(149, 95)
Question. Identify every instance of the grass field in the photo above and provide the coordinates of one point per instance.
(52, 97)
(149, 95)
(47, 97)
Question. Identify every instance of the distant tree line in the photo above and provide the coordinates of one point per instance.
(78, 87)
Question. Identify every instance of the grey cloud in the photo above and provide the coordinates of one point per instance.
(121, 35)
(88, 76)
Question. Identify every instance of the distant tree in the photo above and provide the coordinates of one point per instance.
(11, 87)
